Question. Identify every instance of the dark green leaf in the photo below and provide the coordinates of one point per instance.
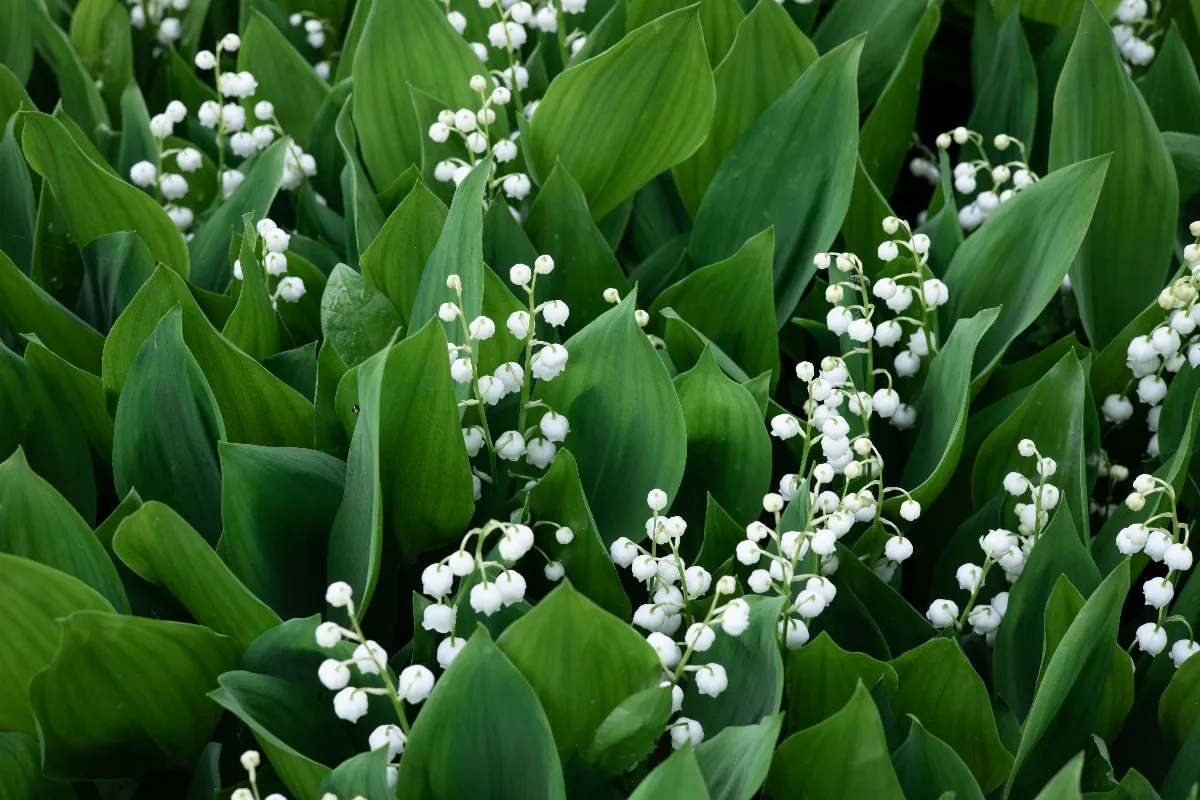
(1171, 88)
(114, 267)
(396, 258)
(357, 319)
(926, 767)
(822, 677)
(284, 77)
(628, 733)
(364, 775)
(676, 778)
(1007, 102)
(253, 326)
(888, 24)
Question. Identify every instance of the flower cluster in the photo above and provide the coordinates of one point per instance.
(1164, 539)
(169, 186)
(316, 31)
(1152, 358)
(275, 243)
(473, 127)
(1135, 31)
(675, 592)
(536, 445)
(229, 122)
(966, 173)
(158, 13)
(1004, 548)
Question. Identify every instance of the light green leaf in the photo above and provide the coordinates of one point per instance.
(735, 762)
(627, 427)
(719, 20)
(284, 78)
(1125, 256)
(617, 120)
(357, 320)
(124, 696)
(397, 257)
(793, 169)
(822, 677)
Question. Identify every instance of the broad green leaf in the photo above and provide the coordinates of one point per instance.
(886, 136)
(1018, 647)
(1007, 381)
(114, 268)
(721, 535)
(330, 436)
(94, 202)
(212, 268)
(1007, 102)
(297, 368)
(124, 696)
(80, 98)
(627, 427)
(21, 775)
(19, 224)
(566, 634)
(407, 43)
(38, 524)
(83, 392)
(628, 734)
(100, 32)
(559, 497)
(1125, 256)
(1068, 697)
(57, 265)
(793, 169)
(943, 407)
(560, 225)
(1053, 416)
(822, 677)
(357, 320)
(396, 258)
(32, 597)
(1179, 706)
(926, 766)
(728, 447)
(481, 733)
(754, 658)
(889, 25)
(364, 217)
(167, 428)
(16, 46)
(157, 544)
(1018, 259)
(617, 120)
(1065, 783)
(1171, 87)
(364, 775)
(678, 777)
(766, 57)
(256, 407)
(277, 508)
(719, 20)
(844, 756)
(26, 308)
(735, 762)
(938, 686)
(901, 626)
(296, 729)
(284, 78)
(253, 326)
(459, 251)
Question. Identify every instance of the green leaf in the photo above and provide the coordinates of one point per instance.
(396, 258)
(559, 497)
(566, 634)
(81, 99)
(256, 407)
(735, 762)
(18, 227)
(627, 427)
(137, 142)
(330, 436)
(407, 44)
(115, 266)
(560, 225)
(82, 391)
(481, 733)
(296, 729)
(277, 507)
(926, 767)
(719, 20)
(1068, 697)
(629, 732)
(38, 524)
(26, 308)
(1065, 783)
(617, 120)
(731, 303)
(167, 428)
(1017, 261)
(1018, 647)
(32, 597)
(728, 448)
(364, 775)
(364, 217)
(938, 686)
(157, 544)
(1179, 706)
(943, 407)
(886, 136)
(21, 775)
(793, 169)
(844, 756)
(211, 265)
(678, 777)
(822, 677)
(1007, 102)
(357, 320)
(754, 658)
(297, 368)
(124, 696)
(901, 626)
(889, 25)
(1171, 88)
(459, 251)
(1125, 256)
(766, 57)
(16, 47)
(94, 202)
(253, 326)
(284, 78)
